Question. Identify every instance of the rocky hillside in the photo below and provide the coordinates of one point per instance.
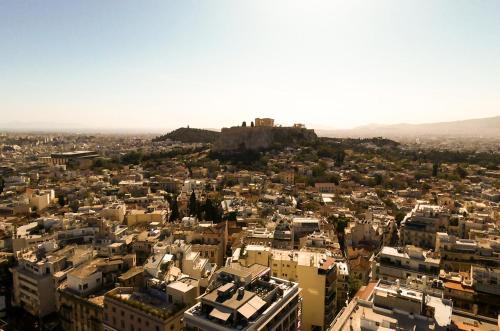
(189, 135)
(261, 138)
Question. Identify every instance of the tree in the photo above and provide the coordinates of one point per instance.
(174, 210)
(252, 124)
(244, 124)
(74, 205)
(461, 172)
(399, 217)
(378, 179)
(212, 211)
(354, 285)
(435, 169)
(339, 157)
(61, 201)
(192, 204)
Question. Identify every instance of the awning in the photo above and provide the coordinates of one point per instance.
(251, 307)
(219, 314)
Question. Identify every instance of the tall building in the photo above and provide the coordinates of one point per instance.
(246, 298)
(40, 271)
(315, 272)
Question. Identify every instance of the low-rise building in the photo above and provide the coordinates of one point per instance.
(404, 263)
(126, 308)
(385, 306)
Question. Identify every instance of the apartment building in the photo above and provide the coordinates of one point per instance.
(420, 226)
(315, 272)
(242, 298)
(342, 284)
(405, 263)
(40, 271)
(460, 254)
(78, 313)
(486, 280)
(128, 309)
(303, 226)
(135, 216)
(389, 306)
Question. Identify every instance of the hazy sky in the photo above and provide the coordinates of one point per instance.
(154, 64)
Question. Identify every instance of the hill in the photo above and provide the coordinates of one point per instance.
(482, 127)
(239, 139)
(189, 135)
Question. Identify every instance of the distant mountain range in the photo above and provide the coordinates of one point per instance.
(481, 127)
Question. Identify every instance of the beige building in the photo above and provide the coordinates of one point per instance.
(115, 212)
(420, 226)
(135, 217)
(315, 272)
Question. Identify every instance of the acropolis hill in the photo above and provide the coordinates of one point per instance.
(261, 137)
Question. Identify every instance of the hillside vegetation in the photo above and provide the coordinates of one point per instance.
(189, 135)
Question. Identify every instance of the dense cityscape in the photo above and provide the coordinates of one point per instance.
(257, 226)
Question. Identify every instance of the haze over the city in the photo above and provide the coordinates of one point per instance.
(163, 64)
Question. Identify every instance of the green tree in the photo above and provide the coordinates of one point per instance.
(174, 210)
(192, 204)
(399, 217)
(435, 169)
(461, 172)
(378, 179)
(354, 285)
(340, 157)
(212, 211)
(61, 200)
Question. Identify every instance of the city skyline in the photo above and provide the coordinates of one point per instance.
(161, 65)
